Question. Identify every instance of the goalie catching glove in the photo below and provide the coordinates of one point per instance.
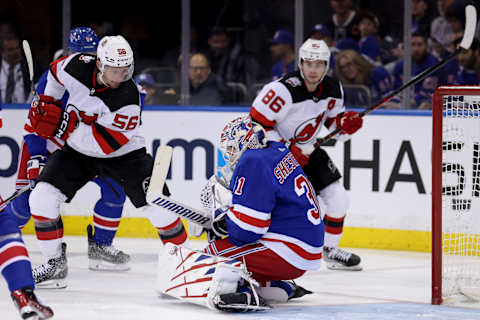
(48, 119)
(349, 122)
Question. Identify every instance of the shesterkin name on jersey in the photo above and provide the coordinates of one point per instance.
(114, 99)
(285, 167)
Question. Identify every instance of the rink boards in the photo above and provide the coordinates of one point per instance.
(386, 168)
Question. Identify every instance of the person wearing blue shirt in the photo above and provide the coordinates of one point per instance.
(421, 60)
(282, 49)
(369, 44)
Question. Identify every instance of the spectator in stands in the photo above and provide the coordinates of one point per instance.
(466, 66)
(282, 49)
(14, 76)
(353, 68)
(321, 32)
(148, 84)
(230, 61)
(422, 15)
(369, 43)
(441, 31)
(421, 60)
(205, 87)
(455, 15)
(344, 21)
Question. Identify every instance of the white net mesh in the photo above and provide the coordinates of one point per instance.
(460, 196)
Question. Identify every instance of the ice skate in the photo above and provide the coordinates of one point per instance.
(239, 302)
(105, 258)
(338, 259)
(52, 275)
(29, 306)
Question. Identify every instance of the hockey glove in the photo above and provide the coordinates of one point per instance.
(298, 154)
(349, 122)
(219, 222)
(48, 119)
(34, 167)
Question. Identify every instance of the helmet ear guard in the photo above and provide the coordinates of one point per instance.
(314, 50)
(115, 52)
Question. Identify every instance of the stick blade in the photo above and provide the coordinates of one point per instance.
(470, 26)
(28, 56)
(159, 173)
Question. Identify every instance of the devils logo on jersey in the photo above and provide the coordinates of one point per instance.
(306, 130)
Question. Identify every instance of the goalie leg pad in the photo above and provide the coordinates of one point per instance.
(196, 277)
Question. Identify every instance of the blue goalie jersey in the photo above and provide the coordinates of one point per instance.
(274, 203)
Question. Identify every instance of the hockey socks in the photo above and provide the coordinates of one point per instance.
(173, 233)
(14, 262)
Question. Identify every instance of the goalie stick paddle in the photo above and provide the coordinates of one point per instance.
(159, 172)
(469, 33)
(28, 57)
(155, 190)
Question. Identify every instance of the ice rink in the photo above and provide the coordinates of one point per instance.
(393, 285)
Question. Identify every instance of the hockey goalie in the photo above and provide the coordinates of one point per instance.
(266, 229)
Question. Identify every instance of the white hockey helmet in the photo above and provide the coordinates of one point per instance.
(314, 50)
(115, 52)
(239, 135)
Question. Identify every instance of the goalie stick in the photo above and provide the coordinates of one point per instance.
(469, 33)
(155, 191)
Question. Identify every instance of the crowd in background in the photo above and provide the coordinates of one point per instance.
(225, 71)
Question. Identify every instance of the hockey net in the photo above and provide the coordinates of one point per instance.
(456, 194)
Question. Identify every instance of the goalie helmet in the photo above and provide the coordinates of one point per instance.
(314, 50)
(239, 135)
(115, 52)
(82, 39)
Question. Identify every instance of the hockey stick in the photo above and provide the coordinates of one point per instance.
(4, 203)
(470, 24)
(155, 190)
(28, 57)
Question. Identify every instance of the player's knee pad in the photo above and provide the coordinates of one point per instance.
(159, 217)
(45, 200)
(19, 209)
(336, 199)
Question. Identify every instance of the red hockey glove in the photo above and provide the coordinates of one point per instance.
(298, 154)
(349, 122)
(48, 119)
(34, 167)
(45, 115)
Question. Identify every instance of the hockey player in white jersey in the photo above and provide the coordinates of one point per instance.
(294, 109)
(100, 124)
(272, 231)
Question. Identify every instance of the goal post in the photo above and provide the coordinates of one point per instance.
(456, 193)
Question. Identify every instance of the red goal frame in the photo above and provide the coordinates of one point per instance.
(437, 140)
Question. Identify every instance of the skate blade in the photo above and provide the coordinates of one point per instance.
(339, 266)
(245, 308)
(100, 265)
(52, 284)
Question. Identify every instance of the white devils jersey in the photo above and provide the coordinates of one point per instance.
(109, 118)
(289, 112)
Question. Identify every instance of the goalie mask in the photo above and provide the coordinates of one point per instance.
(115, 57)
(313, 50)
(239, 135)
